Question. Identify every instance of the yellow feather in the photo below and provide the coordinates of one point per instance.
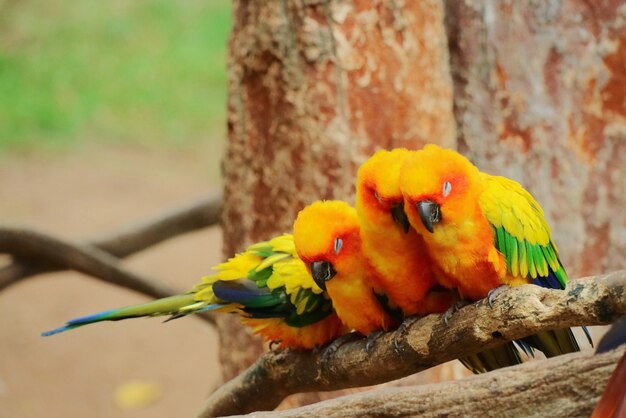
(272, 259)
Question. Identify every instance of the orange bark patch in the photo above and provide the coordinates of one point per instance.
(614, 91)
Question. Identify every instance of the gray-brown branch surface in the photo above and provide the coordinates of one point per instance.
(31, 259)
(516, 313)
(563, 386)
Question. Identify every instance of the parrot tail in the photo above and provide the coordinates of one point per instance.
(167, 306)
(554, 343)
(492, 359)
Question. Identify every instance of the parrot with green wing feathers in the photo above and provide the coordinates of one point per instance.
(483, 232)
(267, 285)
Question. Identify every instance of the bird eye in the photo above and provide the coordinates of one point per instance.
(338, 245)
(377, 196)
(447, 188)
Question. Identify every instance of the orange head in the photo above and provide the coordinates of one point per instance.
(379, 197)
(440, 187)
(326, 235)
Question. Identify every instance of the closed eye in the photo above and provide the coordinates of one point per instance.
(447, 188)
(338, 245)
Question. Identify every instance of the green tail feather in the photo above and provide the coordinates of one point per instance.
(554, 343)
(166, 306)
(492, 359)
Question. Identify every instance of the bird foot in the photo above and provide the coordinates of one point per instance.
(453, 309)
(491, 295)
(274, 344)
(401, 333)
(370, 339)
(332, 348)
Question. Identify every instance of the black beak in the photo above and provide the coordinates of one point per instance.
(430, 214)
(399, 216)
(322, 271)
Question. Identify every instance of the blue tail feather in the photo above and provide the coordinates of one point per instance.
(77, 322)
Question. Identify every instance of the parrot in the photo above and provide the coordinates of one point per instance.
(267, 285)
(328, 241)
(406, 281)
(483, 232)
(612, 403)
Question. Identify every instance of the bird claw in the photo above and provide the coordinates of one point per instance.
(453, 309)
(491, 295)
(401, 332)
(332, 348)
(370, 339)
(274, 344)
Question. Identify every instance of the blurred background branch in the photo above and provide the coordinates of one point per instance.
(31, 256)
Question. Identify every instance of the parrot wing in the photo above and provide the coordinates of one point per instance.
(522, 235)
(521, 232)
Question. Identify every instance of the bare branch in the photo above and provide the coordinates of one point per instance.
(563, 386)
(129, 240)
(517, 312)
(94, 262)
(190, 217)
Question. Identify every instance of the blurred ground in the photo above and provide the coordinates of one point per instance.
(81, 193)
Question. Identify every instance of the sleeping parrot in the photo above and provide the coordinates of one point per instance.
(405, 281)
(267, 285)
(327, 237)
(612, 403)
(482, 232)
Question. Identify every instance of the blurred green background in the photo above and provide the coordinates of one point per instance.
(150, 72)
(110, 112)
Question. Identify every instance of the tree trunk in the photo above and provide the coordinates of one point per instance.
(539, 97)
(314, 88)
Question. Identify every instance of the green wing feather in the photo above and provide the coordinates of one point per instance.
(521, 232)
(522, 235)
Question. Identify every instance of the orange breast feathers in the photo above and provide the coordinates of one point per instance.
(394, 249)
(327, 238)
(441, 189)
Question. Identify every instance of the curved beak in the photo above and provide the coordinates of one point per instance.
(399, 216)
(430, 214)
(322, 271)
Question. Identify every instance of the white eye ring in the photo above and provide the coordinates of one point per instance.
(338, 245)
(447, 188)
(377, 196)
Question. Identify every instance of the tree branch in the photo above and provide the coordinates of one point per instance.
(563, 386)
(517, 312)
(92, 261)
(128, 240)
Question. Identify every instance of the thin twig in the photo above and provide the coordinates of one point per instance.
(517, 312)
(128, 240)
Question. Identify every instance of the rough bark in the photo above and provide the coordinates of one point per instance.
(314, 88)
(516, 313)
(564, 386)
(540, 97)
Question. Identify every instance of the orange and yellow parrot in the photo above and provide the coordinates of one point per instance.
(327, 237)
(405, 279)
(482, 232)
(267, 285)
